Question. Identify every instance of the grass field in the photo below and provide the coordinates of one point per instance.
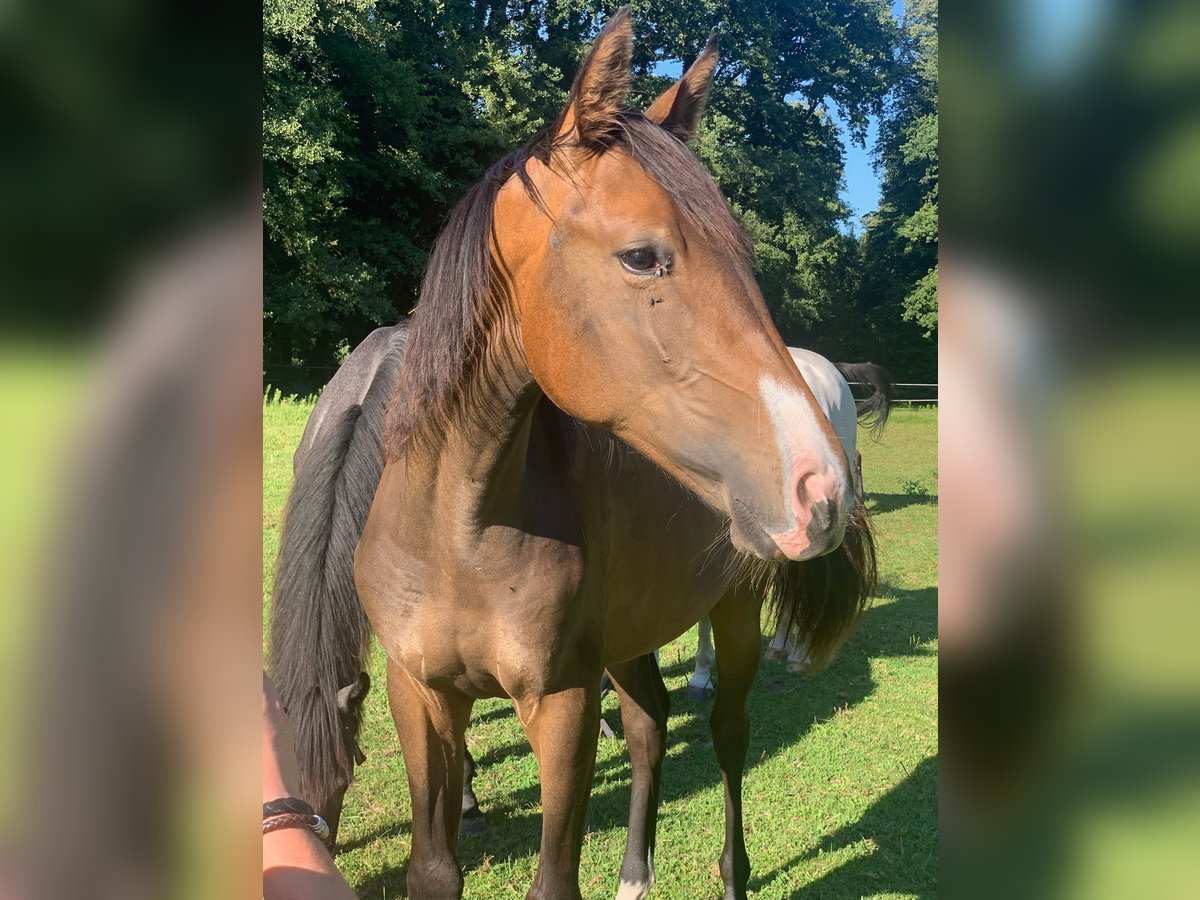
(841, 788)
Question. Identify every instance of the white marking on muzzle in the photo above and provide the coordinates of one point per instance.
(799, 434)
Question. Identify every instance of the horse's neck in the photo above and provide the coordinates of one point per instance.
(475, 470)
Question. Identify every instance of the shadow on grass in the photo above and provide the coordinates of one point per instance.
(402, 826)
(783, 707)
(902, 830)
(879, 504)
(493, 715)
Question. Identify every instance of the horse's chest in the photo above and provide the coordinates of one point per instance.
(488, 621)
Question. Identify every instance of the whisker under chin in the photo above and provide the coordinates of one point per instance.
(821, 600)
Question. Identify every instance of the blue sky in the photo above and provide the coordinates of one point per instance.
(861, 187)
(860, 190)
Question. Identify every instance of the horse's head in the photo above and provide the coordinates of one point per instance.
(637, 310)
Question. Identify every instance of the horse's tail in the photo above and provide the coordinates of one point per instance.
(319, 631)
(873, 410)
(821, 600)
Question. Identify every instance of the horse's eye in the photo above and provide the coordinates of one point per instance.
(640, 261)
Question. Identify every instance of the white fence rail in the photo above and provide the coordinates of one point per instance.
(904, 384)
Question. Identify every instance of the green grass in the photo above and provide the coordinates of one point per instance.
(40, 392)
(841, 788)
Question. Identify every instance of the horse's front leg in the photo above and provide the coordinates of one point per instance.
(736, 629)
(431, 725)
(562, 728)
(645, 706)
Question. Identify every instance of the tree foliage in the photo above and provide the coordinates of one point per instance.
(378, 114)
(900, 246)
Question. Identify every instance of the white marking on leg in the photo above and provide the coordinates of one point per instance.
(778, 648)
(637, 890)
(632, 890)
(780, 640)
(798, 660)
(706, 656)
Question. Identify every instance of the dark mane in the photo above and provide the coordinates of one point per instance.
(461, 336)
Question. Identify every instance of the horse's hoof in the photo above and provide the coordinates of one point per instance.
(473, 827)
(699, 694)
(777, 654)
(799, 668)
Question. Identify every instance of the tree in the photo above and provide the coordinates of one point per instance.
(368, 138)
(901, 242)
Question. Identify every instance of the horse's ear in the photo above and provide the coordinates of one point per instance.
(601, 84)
(679, 109)
(350, 697)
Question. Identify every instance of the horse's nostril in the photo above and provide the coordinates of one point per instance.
(824, 514)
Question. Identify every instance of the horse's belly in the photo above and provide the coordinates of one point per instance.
(642, 620)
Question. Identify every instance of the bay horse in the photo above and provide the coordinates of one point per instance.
(343, 407)
(596, 437)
